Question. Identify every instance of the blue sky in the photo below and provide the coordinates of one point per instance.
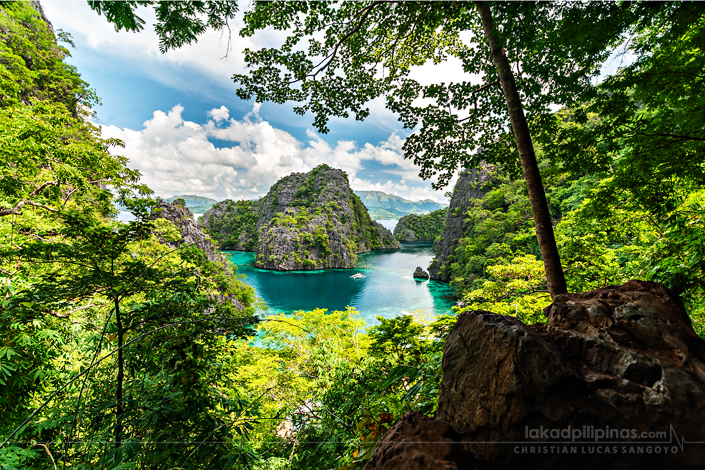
(188, 133)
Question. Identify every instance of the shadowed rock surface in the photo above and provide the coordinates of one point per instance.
(418, 442)
(469, 186)
(620, 356)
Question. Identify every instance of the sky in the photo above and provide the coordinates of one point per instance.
(188, 133)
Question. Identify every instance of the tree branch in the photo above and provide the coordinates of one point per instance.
(13, 211)
(332, 55)
(18, 208)
(48, 183)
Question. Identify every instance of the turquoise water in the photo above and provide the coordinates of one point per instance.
(387, 291)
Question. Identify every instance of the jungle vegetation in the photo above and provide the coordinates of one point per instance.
(424, 227)
(118, 352)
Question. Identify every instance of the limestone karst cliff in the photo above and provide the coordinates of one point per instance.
(469, 186)
(306, 221)
(191, 231)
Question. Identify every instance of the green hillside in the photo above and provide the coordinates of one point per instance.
(388, 206)
(425, 227)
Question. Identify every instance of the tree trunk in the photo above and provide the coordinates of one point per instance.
(537, 196)
(120, 376)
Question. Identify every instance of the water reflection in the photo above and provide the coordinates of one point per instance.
(388, 289)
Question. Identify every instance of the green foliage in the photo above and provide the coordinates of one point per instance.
(643, 128)
(49, 156)
(32, 65)
(371, 48)
(517, 288)
(423, 227)
(239, 218)
(110, 284)
(495, 266)
(307, 193)
(178, 24)
(331, 390)
(111, 340)
(495, 228)
(677, 259)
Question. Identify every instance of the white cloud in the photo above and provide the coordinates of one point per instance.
(206, 56)
(219, 114)
(177, 156)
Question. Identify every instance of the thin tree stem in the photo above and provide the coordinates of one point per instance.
(539, 206)
(120, 375)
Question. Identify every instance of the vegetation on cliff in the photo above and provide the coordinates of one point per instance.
(235, 225)
(495, 262)
(306, 221)
(425, 227)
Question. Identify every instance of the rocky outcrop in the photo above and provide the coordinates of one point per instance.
(622, 361)
(306, 221)
(191, 231)
(417, 442)
(469, 186)
(417, 228)
(420, 273)
(233, 224)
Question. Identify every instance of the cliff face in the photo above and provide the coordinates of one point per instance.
(468, 187)
(191, 231)
(306, 221)
(417, 228)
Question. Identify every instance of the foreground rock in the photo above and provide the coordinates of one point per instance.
(306, 221)
(420, 273)
(623, 358)
(418, 443)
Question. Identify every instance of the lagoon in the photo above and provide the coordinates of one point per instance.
(387, 290)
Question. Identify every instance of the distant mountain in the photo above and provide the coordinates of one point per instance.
(197, 204)
(377, 213)
(388, 206)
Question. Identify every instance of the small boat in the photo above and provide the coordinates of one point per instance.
(357, 276)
